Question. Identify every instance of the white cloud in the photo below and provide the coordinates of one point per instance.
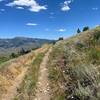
(31, 4)
(31, 24)
(65, 6)
(19, 8)
(37, 8)
(95, 8)
(61, 30)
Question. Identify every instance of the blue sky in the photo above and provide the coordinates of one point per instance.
(47, 18)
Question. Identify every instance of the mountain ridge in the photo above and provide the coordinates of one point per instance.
(7, 46)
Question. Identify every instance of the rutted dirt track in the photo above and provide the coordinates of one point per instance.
(42, 92)
(13, 74)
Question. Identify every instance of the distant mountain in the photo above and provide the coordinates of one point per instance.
(8, 46)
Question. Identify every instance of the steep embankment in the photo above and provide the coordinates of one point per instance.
(13, 72)
(74, 67)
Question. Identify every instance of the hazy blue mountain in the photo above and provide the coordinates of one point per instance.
(15, 44)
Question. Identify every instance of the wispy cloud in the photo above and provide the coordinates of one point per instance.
(19, 7)
(61, 30)
(51, 13)
(95, 8)
(31, 24)
(2, 10)
(65, 6)
(32, 5)
(1, 0)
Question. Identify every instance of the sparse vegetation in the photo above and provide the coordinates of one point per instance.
(13, 55)
(23, 51)
(74, 67)
(55, 74)
(3, 59)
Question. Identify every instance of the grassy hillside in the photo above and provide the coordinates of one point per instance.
(74, 67)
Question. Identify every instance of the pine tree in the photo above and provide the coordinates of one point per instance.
(78, 30)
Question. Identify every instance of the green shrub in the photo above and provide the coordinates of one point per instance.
(61, 38)
(13, 55)
(3, 59)
(85, 28)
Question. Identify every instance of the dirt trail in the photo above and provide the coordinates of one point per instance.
(42, 92)
(22, 63)
(14, 71)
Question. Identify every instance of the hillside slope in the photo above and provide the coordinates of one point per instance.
(74, 67)
(13, 73)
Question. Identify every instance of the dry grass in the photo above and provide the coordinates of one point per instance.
(28, 86)
(11, 70)
(74, 67)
